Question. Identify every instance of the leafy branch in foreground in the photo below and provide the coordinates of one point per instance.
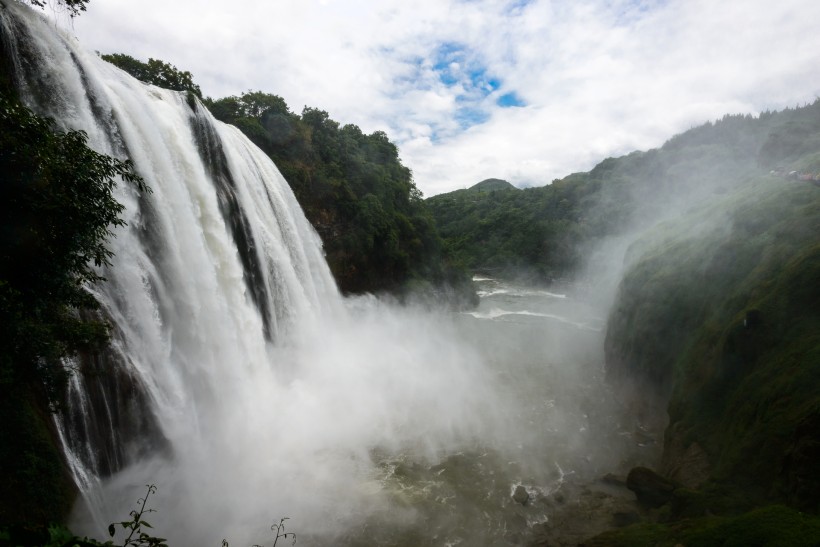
(136, 536)
(58, 211)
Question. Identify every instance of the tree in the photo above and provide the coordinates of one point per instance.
(56, 212)
(156, 72)
(74, 7)
(251, 104)
(58, 209)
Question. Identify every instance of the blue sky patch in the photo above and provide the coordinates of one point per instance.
(468, 116)
(473, 86)
(510, 99)
(516, 7)
(455, 64)
(631, 11)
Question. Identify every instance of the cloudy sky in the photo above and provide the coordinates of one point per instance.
(525, 90)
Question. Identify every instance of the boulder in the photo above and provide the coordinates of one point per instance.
(520, 495)
(651, 489)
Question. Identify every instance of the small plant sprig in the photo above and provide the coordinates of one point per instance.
(136, 536)
(280, 533)
(136, 524)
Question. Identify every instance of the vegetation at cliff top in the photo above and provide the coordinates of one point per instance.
(157, 72)
(74, 7)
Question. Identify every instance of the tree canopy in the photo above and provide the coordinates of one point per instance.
(74, 7)
(58, 211)
(156, 72)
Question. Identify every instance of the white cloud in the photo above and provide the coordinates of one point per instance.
(599, 77)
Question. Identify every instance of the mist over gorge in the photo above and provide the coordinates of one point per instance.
(247, 388)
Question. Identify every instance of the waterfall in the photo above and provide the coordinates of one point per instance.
(237, 379)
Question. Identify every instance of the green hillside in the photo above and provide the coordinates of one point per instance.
(719, 313)
(718, 320)
(544, 232)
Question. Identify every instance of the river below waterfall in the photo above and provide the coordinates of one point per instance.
(406, 426)
(535, 474)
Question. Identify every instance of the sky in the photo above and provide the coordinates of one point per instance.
(523, 90)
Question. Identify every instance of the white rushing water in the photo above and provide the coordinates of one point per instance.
(243, 385)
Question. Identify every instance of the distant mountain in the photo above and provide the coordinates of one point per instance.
(486, 186)
(489, 185)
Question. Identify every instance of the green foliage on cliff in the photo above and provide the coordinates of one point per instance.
(719, 310)
(36, 487)
(57, 211)
(718, 316)
(772, 526)
(511, 232)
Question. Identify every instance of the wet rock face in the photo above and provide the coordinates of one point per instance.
(583, 509)
(651, 489)
(108, 422)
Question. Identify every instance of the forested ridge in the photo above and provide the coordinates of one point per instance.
(545, 232)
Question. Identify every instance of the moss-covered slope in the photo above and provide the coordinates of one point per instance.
(720, 311)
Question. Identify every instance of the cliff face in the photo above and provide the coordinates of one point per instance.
(719, 314)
